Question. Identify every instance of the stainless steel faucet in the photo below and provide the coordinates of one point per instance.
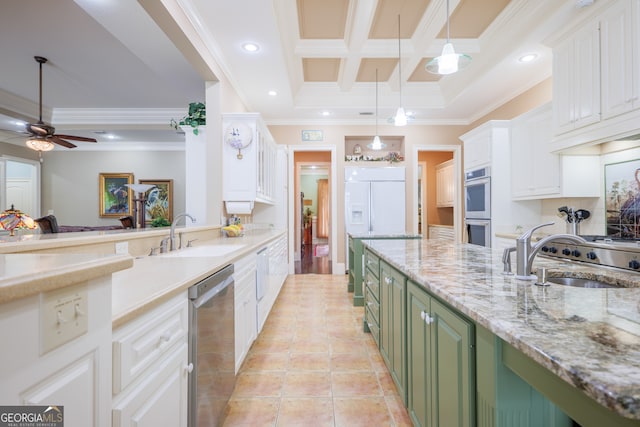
(526, 253)
(506, 260)
(172, 233)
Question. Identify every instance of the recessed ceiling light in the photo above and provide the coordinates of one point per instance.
(251, 47)
(19, 123)
(326, 113)
(528, 57)
(272, 93)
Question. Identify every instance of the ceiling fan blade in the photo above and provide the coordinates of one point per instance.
(77, 138)
(59, 141)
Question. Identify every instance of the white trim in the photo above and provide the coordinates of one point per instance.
(336, 268)
(457, 173)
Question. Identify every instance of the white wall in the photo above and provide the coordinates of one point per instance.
(70, 180)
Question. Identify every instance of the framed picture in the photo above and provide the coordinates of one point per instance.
(159, 200)
(312, 135)
(115, 196)
(622, 198)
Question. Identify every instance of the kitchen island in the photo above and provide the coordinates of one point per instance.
(580, 348)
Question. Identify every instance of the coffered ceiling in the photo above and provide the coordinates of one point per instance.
(112, 68)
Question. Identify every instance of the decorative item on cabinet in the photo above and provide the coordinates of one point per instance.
(197, 116)
(238, 136)
(249, 176)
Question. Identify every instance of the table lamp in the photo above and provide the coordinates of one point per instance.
(13, 218)
(139, 214)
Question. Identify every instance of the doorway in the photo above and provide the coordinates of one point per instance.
(20, 185)
(435, 217)
(313, 204)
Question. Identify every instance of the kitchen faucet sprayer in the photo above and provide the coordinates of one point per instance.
(526, 253)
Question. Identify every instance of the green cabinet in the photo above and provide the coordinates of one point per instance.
(393, 325)
(372, 295)
(356, 267)
(441, 363)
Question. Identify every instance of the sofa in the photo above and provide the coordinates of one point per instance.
(49, 224)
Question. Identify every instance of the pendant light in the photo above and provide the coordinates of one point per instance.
(449, 61)
(376, 144)
(401, 118)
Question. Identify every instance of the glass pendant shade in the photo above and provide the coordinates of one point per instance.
(39, 144)
(449, 61)
(400, 118)
(376, 144)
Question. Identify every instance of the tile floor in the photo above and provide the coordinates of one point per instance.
(312, 364)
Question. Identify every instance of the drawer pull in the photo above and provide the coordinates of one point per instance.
(189, 368)
(369, 303)
(164, 338)
(388, 280)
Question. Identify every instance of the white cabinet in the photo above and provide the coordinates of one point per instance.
(537, 173)
(244, 274)
(445, 185)
(576, 80)
(478, 147)
(76, 374)
(150, 367)
(249, 174)
(535, 170)
(278, 260)
(620, 47)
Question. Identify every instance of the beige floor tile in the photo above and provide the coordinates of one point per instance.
(306, 413)
(356, 412)
(259, 384)
(313, 365)
(309, 362)
(251, 412)
(307, 384)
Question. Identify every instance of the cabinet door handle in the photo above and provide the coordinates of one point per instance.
(388, 280)
(369, 303)
(427, 319)
(189, 368)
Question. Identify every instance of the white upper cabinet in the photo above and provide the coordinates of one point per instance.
(596, 76)
(576, 80)
(620, 43)
(445, 185)
(537, 173)
(249, 161)
(477, 147)
(535, 170)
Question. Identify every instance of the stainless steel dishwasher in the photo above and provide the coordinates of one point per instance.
(211, 348)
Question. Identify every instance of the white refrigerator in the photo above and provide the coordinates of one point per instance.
(374, 200)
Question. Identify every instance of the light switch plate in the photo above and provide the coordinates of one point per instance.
(63, 316)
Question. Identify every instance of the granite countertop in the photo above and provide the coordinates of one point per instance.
(373, 235)
(155, 279)
(588, 337)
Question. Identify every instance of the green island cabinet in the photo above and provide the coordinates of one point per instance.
(356, 267)
(452, 372)
(441, 362)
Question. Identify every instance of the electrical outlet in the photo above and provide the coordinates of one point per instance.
(122, 248)
(63, 316)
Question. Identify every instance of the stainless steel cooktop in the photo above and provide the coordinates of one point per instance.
(623, 254)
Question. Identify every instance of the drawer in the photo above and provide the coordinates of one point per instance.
(372, 263)
(144, 340)
(371, 283)
(374, 328)
(373, 305)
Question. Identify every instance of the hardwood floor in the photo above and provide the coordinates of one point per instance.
(311, 264)
(312, 364)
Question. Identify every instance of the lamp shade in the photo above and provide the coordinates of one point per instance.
(39, 144)
(12, 218)
(140, 188)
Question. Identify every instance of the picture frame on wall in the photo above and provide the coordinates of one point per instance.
(115, 198)
(158, 200)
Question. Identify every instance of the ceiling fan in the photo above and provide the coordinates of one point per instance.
(43, 136)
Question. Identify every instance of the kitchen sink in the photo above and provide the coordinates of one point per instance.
(579, 282)
(205, 250)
